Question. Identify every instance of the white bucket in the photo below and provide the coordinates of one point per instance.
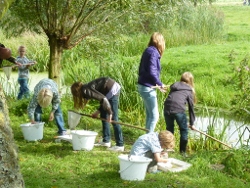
(83, 140)
(133, 167)
(32, 132)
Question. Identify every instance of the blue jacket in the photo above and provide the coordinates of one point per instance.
(150, 68)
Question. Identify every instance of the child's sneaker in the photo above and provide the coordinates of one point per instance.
(116, 148)
(105, 144)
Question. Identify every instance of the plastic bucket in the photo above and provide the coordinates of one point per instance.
(133, 167)
(32, 132)
(83, 140)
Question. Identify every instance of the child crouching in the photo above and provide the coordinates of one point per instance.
(151, 145)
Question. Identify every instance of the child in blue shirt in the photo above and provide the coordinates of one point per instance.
(23, 72)
(151, 145)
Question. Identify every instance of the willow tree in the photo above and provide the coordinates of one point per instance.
(65, 22)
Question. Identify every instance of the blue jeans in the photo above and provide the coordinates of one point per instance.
(58, 118)
(181, 120)
(114, 102)
(24, 89)
(150, 102)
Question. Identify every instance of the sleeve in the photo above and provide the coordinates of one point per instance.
(55, 101)
(11, 59)
(191, 109)
(91, 93)
(32, 107)
(154, 69)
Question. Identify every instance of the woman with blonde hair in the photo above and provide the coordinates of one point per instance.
(46, 93)
(181, 93)
(149, 78)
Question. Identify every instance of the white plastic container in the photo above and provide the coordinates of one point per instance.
(32, 132)
(173, 165)
(133, 167)
(83, 140)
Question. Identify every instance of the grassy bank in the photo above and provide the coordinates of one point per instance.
(46, 164)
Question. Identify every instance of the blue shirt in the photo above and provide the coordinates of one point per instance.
(145, 143)
(23, 70)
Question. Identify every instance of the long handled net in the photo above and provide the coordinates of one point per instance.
(74, 119)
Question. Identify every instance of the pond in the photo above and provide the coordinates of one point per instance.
(11, 86)
(235, 134)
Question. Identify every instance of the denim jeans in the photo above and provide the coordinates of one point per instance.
(57, 115)
(114, 102)
(150, 102)
(181, 120)
(24, 89)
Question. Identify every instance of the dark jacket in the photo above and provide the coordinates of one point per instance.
(180, 94)
(98, 89)
(11, 59)
(150, 68)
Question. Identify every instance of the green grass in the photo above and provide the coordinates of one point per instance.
(46, 164)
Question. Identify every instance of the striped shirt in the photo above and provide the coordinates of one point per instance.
(44, 83)
(23, 70)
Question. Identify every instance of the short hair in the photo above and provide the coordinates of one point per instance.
(167, 139)
(44, 97)
(21, 48)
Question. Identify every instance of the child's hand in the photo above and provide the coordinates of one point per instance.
(192, 127)
(18, 64)
(95, 114)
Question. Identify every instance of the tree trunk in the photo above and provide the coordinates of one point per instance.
(10, 176)
(56, 51)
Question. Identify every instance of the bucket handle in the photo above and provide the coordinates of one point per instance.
(129, 158)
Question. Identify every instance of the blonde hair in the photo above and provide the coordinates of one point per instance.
(157, 40)
(20, 48)
(167, 139)
(188, 78)
(76, 90)
(44, 97)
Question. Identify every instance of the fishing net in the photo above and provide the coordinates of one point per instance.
(73, 119)
(7, 70)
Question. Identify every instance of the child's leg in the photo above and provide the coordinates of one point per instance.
(21, 82)
(105, 126)
(181, 120)
(153, 163)
(169, 119)
(114, 102)
(59, 120)
(26, 90)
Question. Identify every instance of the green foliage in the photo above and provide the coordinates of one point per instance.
(4, 5)
(238, 163)
(241, 80)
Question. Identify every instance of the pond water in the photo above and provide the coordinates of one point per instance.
(11, 86)
(235, 134)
